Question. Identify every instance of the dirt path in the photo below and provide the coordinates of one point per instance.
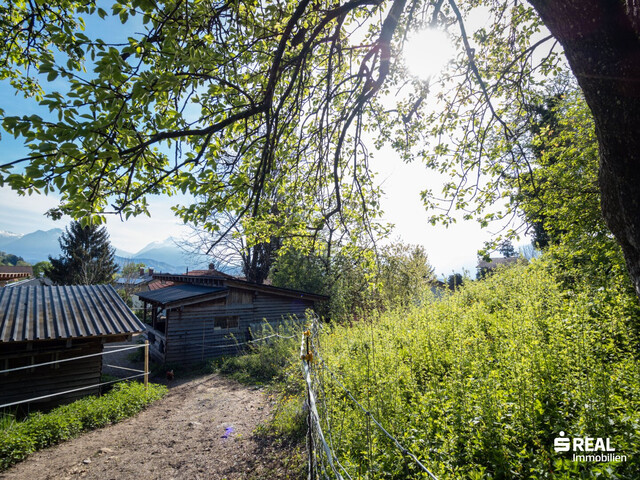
(203, 429)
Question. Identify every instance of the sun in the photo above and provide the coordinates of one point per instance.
(427, 51)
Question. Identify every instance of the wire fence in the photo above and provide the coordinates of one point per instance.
(63, 360)
(323, 459)
(111, 349)
(116, 349)
(236, 343)
(247, 342)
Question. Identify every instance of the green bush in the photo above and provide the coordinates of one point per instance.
(265, 362)
(40, 430)
(479, 383)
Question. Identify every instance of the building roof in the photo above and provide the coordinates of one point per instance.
(139, 280)
(64, 312)
(210, 272)
(157, 284)
(177, 293)
(31, 282)
(218, 281)
(495, 262)
(16, 269)
(10, 273)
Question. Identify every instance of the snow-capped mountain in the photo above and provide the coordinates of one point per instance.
(33, 247)
(169, 252)
(8, 237)
(163, 256)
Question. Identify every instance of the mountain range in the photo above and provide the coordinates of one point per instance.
(164, 256)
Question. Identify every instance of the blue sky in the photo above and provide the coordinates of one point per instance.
(450, 249)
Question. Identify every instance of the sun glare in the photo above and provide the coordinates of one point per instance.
(427, 52)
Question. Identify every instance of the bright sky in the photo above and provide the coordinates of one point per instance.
(450, 249)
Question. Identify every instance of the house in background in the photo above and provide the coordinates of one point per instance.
(485, 267)
(203, 315)
(10, 273)
(133, 284)
(45, 324)
(32, 282)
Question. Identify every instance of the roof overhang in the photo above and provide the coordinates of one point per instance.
(179, 295)
(219, 281)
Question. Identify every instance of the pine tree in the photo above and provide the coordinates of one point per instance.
(87, 257)
(506, 249)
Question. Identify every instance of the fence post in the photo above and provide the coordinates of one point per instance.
(304, 354)
(146, 364)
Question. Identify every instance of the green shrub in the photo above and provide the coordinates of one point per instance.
(40, 430)
(479, 383)
(267, 361)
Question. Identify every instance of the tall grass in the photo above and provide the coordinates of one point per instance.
(479, 383)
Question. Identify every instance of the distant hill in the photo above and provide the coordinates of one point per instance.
(166, 251)
(8, 237)
(158, 267)
(8, 259)
(34, 247)
(164, 256)
(123, 253)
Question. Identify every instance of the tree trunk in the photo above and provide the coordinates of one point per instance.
(601, 39)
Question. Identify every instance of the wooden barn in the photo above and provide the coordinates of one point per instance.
(45, 324)
(201, 316)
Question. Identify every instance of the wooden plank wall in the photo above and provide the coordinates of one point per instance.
(273, 308)
(40, 381)
(192, 338)
(191, 335)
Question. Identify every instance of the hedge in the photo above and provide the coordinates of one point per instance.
(40, 430)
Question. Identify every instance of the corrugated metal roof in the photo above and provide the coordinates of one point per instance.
(178, 292)
(42, 313)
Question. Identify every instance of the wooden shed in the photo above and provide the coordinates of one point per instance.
(43, 324)
(202, 316)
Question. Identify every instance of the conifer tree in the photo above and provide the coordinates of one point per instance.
(87, 257)
(506, 249)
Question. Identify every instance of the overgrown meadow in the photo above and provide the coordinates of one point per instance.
(478, 383)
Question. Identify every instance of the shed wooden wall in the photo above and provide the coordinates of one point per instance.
(191, 336)
(273, 309)
(40, 381)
